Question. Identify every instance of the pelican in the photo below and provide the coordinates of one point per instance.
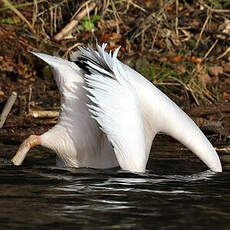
(110, 114)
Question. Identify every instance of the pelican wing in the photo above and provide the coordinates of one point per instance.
(115, 106)
(64, 72)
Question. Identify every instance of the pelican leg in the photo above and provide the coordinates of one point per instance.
(24, 148)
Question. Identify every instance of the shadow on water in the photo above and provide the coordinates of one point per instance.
(172, 194)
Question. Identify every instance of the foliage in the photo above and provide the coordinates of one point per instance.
(9, 20)
(89, 22)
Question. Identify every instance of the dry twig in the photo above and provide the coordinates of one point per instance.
(214, 10)
(207, 110)
(19, 14)
(69, 27)
(203, 28)
(43, 114)
(223, 54)
(211, 48)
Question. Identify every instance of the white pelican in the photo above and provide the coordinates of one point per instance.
(110, 115)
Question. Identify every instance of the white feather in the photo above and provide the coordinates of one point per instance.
(118, 112)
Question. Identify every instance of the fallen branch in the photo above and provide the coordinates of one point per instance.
(10, 102)
(207, 110)
(43, 114)
(225, 149)
(69, 27)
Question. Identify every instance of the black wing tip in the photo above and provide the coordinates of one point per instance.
(82, 63)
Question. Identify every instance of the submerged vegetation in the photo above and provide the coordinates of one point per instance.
(180, 46)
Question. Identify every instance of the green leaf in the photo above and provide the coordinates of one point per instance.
(9, 20)
(95, 18)
(88, 25)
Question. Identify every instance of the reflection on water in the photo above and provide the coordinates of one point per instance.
(172, 194)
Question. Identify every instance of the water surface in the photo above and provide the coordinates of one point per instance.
(174, 193)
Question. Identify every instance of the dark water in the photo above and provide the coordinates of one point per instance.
(172, 194)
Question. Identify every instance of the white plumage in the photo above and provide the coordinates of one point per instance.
(110, 115)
